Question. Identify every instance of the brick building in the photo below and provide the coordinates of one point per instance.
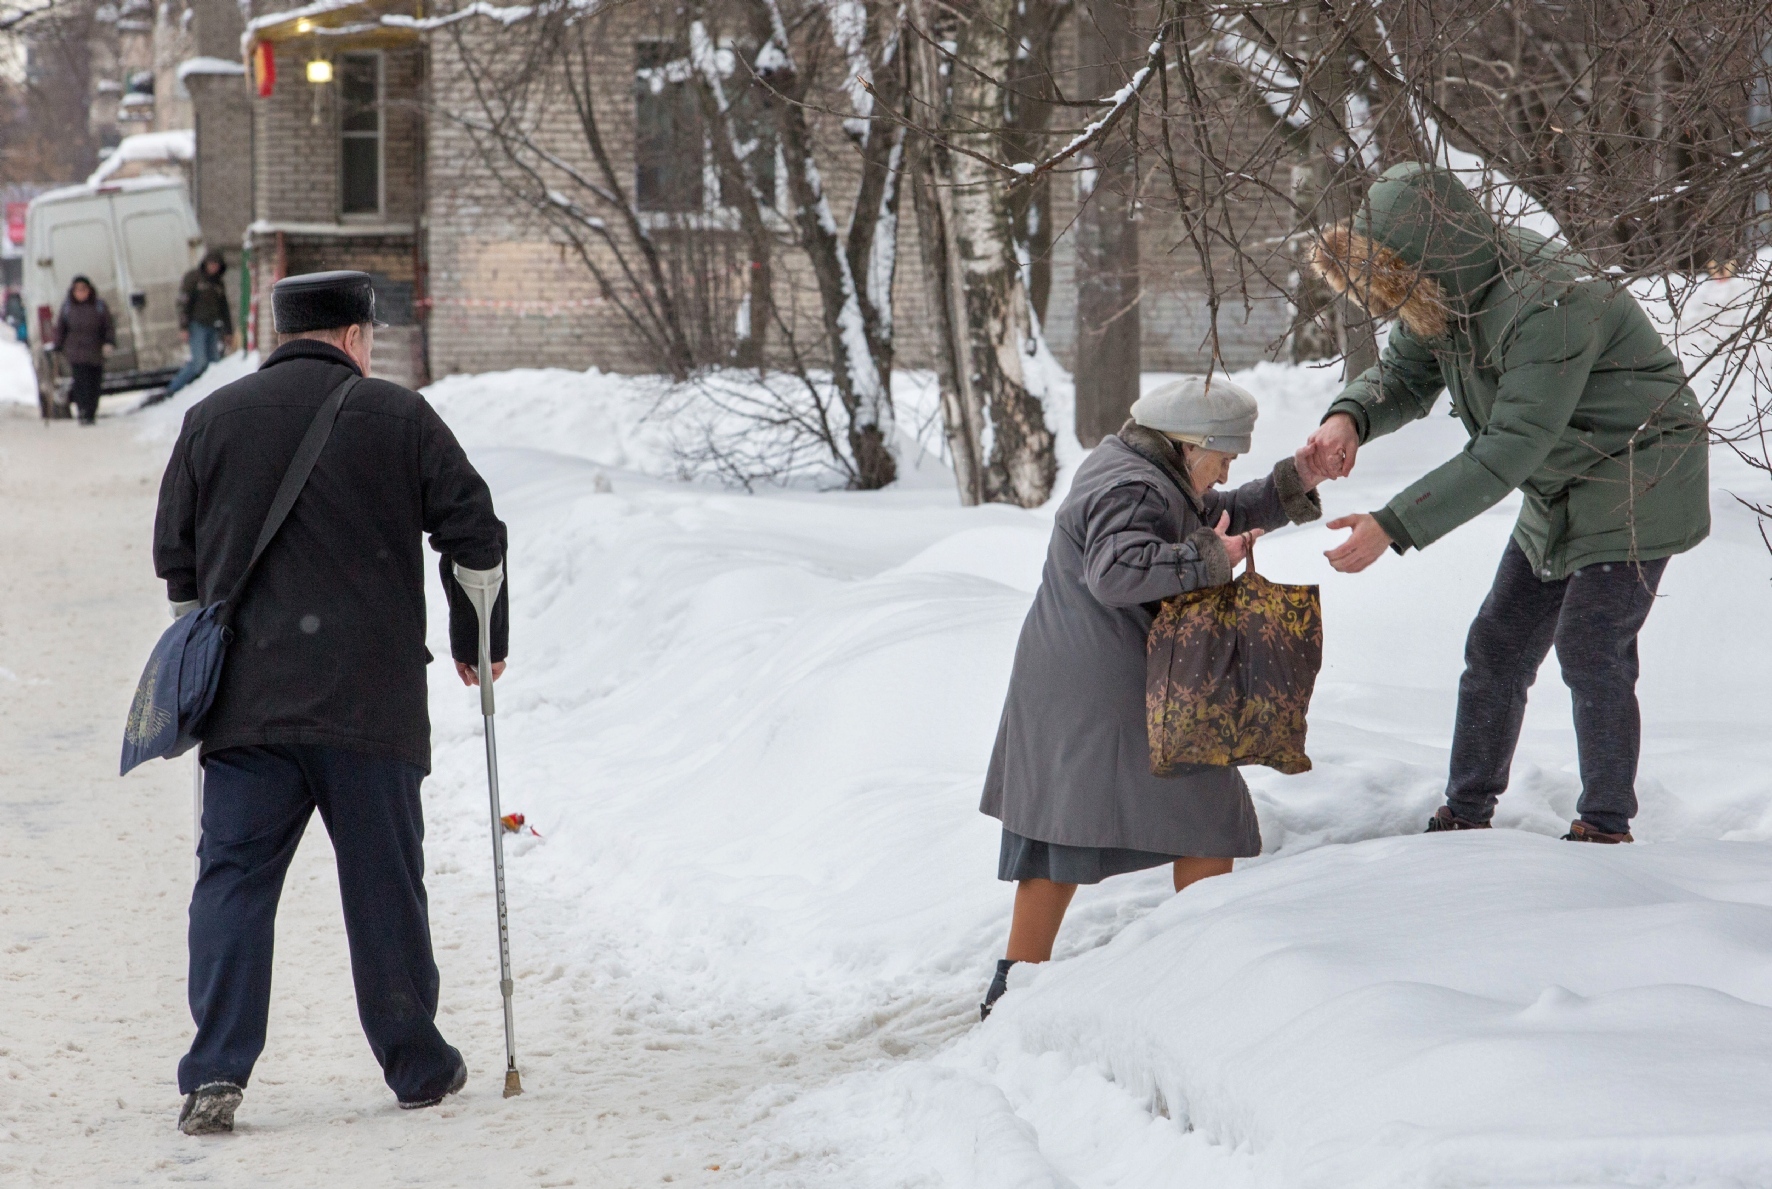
(336, 136)
(368, 150)
(504, 293)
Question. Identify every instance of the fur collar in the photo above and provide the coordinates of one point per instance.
(1161, 453)
(1381, 282)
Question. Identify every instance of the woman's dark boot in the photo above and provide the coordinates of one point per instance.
(999, 984)
(1444, 819)
(1580, 831)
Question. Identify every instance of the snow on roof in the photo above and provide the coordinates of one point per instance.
(504, 15)
(192, 66)
(177, 145)
(319, 8)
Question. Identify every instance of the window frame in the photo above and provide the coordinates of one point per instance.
(380, 135)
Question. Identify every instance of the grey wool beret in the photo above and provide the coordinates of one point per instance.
(1215, 411)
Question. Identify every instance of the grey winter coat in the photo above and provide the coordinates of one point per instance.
(1072, 763)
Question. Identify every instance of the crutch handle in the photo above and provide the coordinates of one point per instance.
(482, 588)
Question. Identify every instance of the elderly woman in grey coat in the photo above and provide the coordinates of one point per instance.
(1070, 776)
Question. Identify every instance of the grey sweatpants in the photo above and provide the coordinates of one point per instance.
(1593, 618)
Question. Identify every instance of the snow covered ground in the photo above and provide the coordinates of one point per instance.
(754, 731)
(750, 730)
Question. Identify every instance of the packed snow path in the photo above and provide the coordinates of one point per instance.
(95, 876)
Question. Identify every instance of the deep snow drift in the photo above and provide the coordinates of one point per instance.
(751, 732)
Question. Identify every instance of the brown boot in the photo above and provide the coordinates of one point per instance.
(1580, 831)
(1443, 820)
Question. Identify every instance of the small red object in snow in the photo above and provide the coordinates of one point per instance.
(514, 823)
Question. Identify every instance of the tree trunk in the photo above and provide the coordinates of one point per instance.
(1018, 446)
(960, 414)
(859, 381)
(1337, 175)
(741, 189)
(1108, 278)
(1316, 311)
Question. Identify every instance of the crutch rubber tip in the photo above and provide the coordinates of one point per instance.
(513, 1084)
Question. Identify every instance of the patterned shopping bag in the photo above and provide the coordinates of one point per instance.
(1229, 672)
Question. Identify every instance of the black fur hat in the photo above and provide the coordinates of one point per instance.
(322, 301)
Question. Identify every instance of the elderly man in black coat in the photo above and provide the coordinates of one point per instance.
(322, 701)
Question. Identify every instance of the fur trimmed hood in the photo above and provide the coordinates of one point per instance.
(1380, 281)
(1419, 234)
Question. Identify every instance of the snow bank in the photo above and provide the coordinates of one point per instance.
(752, 731)
(160, 423)
(18, 379)
(1496, 1010)
(647, 425)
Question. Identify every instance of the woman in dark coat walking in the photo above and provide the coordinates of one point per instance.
(84, 331)
(1070, 776)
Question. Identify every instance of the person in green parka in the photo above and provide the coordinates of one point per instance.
(1571, 397)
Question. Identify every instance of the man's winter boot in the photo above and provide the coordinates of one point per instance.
(999, 984)
(209, 1109)
(1444, 819)
(1580, 831)
(455, 1084)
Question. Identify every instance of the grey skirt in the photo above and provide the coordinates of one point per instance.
(1026, 858)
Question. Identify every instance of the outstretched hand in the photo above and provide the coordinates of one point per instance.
(1365, 545)
(1331, 449)
(470, 674)
(1237, 545)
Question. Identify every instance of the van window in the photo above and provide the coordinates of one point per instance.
(154, 243)
(83, 248)
(359, 130)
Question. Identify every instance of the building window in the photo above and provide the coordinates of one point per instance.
(674, 166)
(668, 149)
(360, 133)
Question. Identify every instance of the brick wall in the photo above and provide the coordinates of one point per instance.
(296, 157)
(509, 291)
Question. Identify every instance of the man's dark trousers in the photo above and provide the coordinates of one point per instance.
(256, 803)
(1593, 618)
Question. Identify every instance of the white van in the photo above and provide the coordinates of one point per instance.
(135, 239)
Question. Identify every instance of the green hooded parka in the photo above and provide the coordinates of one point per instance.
(1567, 390)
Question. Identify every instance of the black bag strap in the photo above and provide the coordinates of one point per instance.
(294, 479)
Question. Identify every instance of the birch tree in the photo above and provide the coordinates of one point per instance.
(996, 428)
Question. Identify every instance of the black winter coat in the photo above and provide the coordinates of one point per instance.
(203, 299)
(329, 637)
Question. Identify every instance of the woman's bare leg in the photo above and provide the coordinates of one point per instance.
(1039, 911)
(1189, 871)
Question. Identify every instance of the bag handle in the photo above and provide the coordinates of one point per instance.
(1248, 554)
(294, 479)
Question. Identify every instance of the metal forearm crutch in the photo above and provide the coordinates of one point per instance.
(196, 816)
(482, 589)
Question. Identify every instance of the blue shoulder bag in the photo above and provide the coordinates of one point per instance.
(178, 686)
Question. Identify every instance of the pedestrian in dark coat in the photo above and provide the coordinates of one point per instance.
(204, 319)
(1571, 397)
(84, 332)
(322, 701)
(1070, 776)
